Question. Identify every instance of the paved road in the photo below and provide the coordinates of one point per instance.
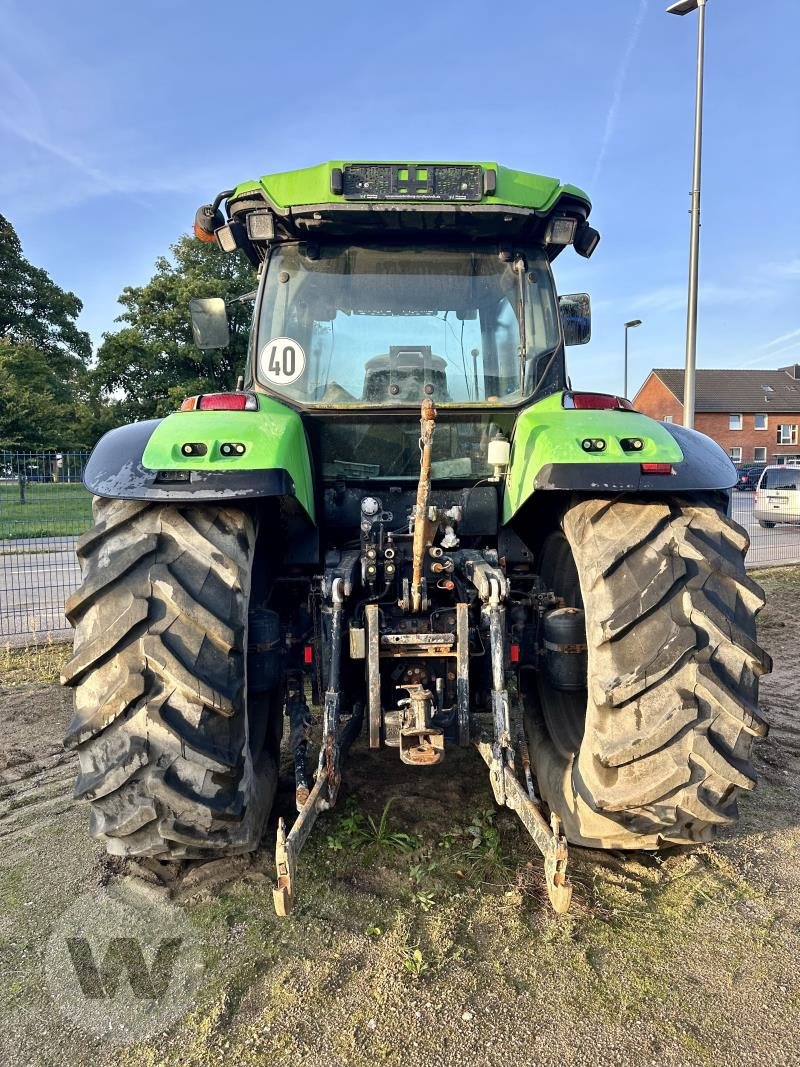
(37, 576)
(34, 583)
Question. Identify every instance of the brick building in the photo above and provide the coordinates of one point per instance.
(753, 414)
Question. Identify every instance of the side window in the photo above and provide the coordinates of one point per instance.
(507, 339)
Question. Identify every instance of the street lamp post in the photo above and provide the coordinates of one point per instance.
(628, 326)
(683, 7)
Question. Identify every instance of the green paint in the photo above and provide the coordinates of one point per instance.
(312, 185)
(273, 436)
(549, 433)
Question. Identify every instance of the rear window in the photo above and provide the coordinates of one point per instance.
(781, 478)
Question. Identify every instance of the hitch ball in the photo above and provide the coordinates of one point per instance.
(565, 649)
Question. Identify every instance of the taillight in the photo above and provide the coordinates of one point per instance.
(656, 468)
(221, 402)
(596, 402)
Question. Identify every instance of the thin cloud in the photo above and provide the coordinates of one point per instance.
(26, 122)
(619, 86)
(770, 357)
(782, 339)
(787, 269)
(674, 297)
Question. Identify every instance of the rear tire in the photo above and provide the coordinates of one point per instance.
(656, 749)
(766, 525)
(159, 670)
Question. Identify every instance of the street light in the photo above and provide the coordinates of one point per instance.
(628, 326)
(683, 7)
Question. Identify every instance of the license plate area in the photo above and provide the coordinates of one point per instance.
(412, 181)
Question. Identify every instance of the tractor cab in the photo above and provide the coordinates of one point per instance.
(367, 307)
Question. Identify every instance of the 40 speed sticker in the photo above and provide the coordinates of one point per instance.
(282, 361)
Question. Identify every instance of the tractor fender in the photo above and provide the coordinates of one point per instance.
(547, 453)
(146, 460)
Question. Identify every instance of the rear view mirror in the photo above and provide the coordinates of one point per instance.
(209, 322)
(576, 318)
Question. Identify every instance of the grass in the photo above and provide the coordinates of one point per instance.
(35, 663)
(358, 831)
(356, 967)
(50, 510)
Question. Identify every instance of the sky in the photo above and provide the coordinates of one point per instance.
(117, 120)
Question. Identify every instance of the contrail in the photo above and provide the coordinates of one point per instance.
(782, 339)
(619, 85)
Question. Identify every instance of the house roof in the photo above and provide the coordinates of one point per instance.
(739, 390)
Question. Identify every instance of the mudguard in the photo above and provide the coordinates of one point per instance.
(145, 461)
(547, 453)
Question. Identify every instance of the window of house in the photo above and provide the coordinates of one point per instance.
(760, 453)
(736, 454)
(734, 422)
(787, 433)
(667, 418)
(760, 421)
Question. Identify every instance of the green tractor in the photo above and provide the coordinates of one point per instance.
(405, 516)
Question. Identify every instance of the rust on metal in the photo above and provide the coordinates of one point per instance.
(551, 646)
(418, 639)
(371, 622)
(423, 533)
(421, 743)
(548, 838)
(462, 672)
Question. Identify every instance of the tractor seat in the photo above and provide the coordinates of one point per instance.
(401, 375)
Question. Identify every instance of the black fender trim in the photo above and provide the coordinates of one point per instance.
(704, 466)
(115, 470)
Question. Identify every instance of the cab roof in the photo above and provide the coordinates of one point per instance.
(315, 185)
(392, 201)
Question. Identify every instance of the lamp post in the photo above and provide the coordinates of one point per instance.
(628, 326)
(683, 7)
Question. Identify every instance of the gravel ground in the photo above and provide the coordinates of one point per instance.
(424, 950)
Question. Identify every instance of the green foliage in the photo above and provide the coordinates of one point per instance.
(478, 850)
(150, 365)
(424, 899)
(44, 384)
(358, 832)
(414, 962)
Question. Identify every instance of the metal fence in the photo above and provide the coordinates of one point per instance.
(44, 507)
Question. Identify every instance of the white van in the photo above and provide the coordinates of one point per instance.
(778, 496)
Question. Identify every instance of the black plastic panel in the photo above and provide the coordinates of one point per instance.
(115, 469)
(412, 181)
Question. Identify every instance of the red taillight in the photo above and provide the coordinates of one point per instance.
(596, 402)
(656, 468)
(308, 654)
(224, 402)
(515, 653)
(221, 402)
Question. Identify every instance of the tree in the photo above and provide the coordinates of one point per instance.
(43, 356)
(149, 366)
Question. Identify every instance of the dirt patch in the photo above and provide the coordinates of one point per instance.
(426, 938)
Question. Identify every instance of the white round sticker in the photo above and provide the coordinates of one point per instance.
(282, 361)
